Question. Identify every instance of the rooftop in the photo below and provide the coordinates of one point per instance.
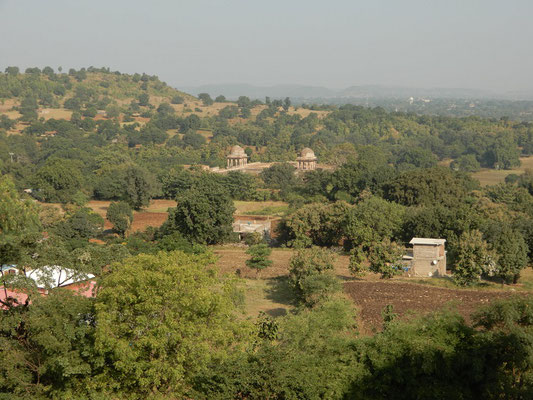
(56, 276)
(237, 151)
(307, 153)
(427, 241)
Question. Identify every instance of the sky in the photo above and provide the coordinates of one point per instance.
(480, 44)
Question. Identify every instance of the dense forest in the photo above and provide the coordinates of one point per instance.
(165, 324)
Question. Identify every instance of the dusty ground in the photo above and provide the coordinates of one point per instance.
(408, 298)
(142, 220)
(233, 260)
(153, 215)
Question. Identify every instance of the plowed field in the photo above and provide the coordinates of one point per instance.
(372, 297)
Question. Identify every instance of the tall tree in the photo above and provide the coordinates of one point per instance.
(120, 215)
(157, 329)
(471, 258)
(204, 214)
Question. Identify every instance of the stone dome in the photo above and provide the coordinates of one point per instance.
(237, 151)
(307, 153)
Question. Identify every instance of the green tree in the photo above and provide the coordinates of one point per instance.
(82, 224)
(139, 187)
(156, 330)
(47, 348)
(428, 187)
(19, 222)
(12, 71)
(466, 163)
(382, 257)
(204, 214)
(279, 176)
(385, 258)
(229, 112)
(471, 258)
(177, 100)
(193, 139)
(511, 250)
(58, 180)
(112, 111)
(144, 99)
(316, 224)
(120, 215)
(302, 356)
(372, 220)
(503, 154)
(286, 103)
(308, 262)
(240, 186)
(205, 98)
(258, 260)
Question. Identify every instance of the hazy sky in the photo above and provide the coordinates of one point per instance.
(483, 44)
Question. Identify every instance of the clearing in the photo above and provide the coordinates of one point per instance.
(258, 207)
(494, 176)
(154, 215)
(270, 293)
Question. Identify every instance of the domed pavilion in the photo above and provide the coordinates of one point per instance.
(237, 157)
(307, 159)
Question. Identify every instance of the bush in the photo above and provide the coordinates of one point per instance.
(177, 100)
(319, 288)
(120, 215)
(253, 238)
(308, 262)
(259, 257)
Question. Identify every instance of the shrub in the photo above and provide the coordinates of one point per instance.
(307, 262)
(259, 257)
(318, 288)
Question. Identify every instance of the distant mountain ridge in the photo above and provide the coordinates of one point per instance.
(303, 92)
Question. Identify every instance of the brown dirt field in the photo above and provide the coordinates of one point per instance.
(6, 105)
(154, 215)
(142, 220)
(409, 298)
(233, 259)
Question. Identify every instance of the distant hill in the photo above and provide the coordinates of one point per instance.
(233, 91)
(327, 95)
(53, 89)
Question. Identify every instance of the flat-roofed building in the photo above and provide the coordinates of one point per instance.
(428, 257)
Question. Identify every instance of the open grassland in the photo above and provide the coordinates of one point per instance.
(55, 113)
(493, 176)
(259, 207)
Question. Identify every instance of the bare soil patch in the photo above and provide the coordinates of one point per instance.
(153, 215)
(142, 220)
(410, 298)
(233, 260)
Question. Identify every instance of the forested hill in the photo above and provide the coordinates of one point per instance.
(97, 88)
(92, 119)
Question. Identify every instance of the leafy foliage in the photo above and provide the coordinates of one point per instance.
(120, 215)
(259, 254)
(181, 319)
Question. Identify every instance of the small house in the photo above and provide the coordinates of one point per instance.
(428, 257)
